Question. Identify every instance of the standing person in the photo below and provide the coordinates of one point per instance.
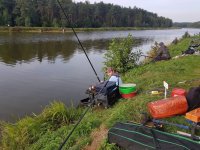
(163, 53)
(113, 76)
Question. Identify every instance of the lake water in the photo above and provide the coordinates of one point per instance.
(38, 68)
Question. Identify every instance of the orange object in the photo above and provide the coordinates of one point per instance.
(127, 96)
(193, 115)
(168, 107)
(178, 92)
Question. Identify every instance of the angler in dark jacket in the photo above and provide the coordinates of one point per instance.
(163, 53)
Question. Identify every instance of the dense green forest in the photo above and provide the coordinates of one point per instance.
(187, 24)
(46, 13)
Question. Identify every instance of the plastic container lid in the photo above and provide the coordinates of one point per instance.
(128, 85)
(127, 88)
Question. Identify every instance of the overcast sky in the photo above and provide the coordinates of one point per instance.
(177, 10)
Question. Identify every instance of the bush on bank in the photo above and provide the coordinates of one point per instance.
(29, 129)
(120, 55)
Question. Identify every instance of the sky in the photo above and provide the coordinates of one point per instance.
(177, 10)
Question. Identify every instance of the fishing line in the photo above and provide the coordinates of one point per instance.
(67, 17)
(69, 135)
(71, 132)
(85, 112)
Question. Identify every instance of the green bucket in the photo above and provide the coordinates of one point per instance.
(127, 88)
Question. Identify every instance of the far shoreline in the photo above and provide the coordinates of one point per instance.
(68, 30)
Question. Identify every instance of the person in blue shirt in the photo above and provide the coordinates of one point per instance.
(113, 76)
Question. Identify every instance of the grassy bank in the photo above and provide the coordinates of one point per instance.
(61, 30)
(49, 129)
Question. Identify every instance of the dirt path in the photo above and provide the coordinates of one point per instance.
(97, 136)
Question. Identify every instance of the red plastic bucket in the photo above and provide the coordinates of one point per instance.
(178, 92)
(126, 96)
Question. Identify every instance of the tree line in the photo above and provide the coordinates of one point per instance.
(187, 24)
(47, 13)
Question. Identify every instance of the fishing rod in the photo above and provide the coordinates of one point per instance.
(67, 17)
(85, 112)
(71, 132)
(69, 135)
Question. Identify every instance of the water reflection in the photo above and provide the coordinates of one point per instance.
(14, 53)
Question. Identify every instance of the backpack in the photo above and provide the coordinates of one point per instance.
(107, 95)
(189, 51)
(193, 98)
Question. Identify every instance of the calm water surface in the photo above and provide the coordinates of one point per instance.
(37, 68)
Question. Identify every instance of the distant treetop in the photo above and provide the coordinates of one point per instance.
(46, 13)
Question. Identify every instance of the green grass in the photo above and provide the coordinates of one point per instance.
(51, 127)
(31, 128)
(107, 146)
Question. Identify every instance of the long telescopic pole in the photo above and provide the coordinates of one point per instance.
(67, 17)
(81, 118)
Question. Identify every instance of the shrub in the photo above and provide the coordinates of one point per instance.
(57, 114)
(175, 41)
(21, 134)
(79, 138)
(29, 130)
(186, 35)
(152, 53)
(120, 56)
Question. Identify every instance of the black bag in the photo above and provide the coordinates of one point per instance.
(193, 98)
(189, 51)
(108, 93)
(132, 136)
(106, 87)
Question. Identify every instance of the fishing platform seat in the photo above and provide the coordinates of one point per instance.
(106, 87)
(133, 136)
(107, 93)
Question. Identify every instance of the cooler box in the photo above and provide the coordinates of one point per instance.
(178, 92)
(168, 107)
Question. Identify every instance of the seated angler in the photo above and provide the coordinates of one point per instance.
(113, 76)
(106, 93)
